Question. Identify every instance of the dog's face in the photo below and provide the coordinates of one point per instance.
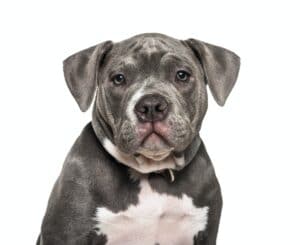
(155, 91)
(151, 89)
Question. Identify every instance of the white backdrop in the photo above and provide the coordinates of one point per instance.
(253, 141)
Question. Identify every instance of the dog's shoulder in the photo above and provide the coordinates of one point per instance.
(87, 145)
(90, 164)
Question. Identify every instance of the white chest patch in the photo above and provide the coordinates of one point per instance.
(157, 218)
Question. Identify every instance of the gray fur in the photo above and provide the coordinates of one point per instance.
(221, 68)
(91, 177)
(81, 72)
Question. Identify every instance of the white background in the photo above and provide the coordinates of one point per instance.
(253, 141)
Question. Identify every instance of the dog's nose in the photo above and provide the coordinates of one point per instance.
(151, 108)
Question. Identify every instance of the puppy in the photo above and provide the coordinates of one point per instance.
(139, 172)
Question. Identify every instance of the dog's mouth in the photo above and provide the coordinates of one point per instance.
(154, 145)
(154, 141)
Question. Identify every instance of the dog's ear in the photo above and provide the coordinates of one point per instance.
(221, 68)
(81, 69)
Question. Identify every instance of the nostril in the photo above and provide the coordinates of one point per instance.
(157, 108)
(161, 107)
(144, 109)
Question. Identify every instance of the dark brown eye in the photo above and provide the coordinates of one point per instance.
(118, 79)
(183, 76)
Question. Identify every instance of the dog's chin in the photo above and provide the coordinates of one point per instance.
(155, 147)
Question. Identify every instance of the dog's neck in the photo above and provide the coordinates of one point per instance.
(139, 163)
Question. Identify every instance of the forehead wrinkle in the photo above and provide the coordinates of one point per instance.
(128, 60)
(175, 57)
(180, 61)
(127, 63)
(149, 45)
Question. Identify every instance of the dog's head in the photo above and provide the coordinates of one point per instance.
(150, 90)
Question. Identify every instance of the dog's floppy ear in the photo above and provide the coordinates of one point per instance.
(81, 69)
(221, 68)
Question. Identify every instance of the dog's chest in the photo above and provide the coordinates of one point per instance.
(156, 219)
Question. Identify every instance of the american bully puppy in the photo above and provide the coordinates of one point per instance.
(139, 172)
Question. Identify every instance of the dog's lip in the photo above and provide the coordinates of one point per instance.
(160, 129)
(154, 133)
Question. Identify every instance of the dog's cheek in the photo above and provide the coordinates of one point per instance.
(200, 107)
(193, 100)
(181, 132)
(127, 138)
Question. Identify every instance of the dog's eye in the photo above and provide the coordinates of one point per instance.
(182, 76)
(118, 79)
